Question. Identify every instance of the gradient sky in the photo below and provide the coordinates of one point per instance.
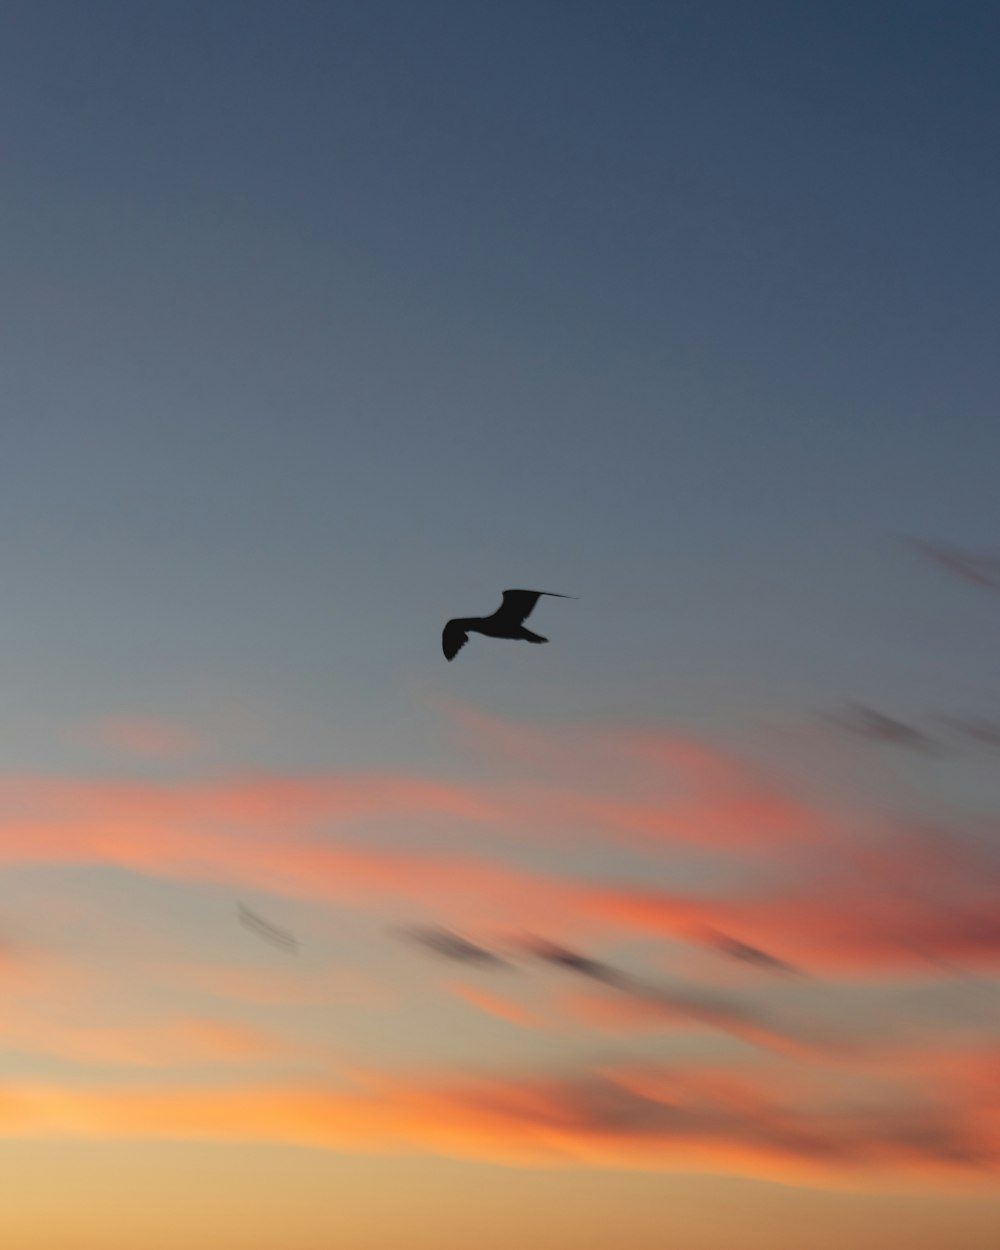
(323, 322)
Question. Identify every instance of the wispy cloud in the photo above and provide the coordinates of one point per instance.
(829, 888)
(496, 1005)
(866, 722)
(979, 728)
(165, 1042)
(850, 905)
(845, 924)
(141, 738)
(451, 945)
(981, 568)
(263, 928)
(652, 1003)
(662, 1119)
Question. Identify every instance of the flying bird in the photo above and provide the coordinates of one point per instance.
(506, 622)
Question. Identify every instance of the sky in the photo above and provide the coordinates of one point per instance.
(323, 323)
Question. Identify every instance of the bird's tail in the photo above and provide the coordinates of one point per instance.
(528, 636)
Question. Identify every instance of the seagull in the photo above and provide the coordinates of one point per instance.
(506, 622)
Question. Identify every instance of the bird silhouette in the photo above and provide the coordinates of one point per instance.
(506, 622)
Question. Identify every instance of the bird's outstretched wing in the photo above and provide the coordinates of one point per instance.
(517, 605)
(453, 639)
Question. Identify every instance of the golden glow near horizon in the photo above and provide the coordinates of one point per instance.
(773, 1033)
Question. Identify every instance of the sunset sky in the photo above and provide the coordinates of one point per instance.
(323, 322)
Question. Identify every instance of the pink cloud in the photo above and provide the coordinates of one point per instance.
(848, 918)
(651, 786)
(902, 904)
(143, 738)
(496, 1005)
(821, 898)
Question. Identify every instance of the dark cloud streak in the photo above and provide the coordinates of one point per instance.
(271, 933)
(979, 568)
(451, 945)
(866, 722)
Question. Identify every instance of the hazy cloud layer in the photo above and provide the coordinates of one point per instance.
(841, 892)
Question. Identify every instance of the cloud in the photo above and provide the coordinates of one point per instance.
(830, 889)
(165, 1042)
(263, 928)
(904, 903)
(892, 905)
(979, 728)
(866, 722)
(651, 787)
(979, 568)
(829, 926)
(686, 793)
(271, 834)
(142, 738)
(269, 986)
(650, 1004)
(451, 945)
(656, 1119)
(495, 1005)
(563, 957)
(746, 953)
(662, 1009)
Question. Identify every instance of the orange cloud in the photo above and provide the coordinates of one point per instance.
(160, 1043)
(494, 1005)
(669, 1121)
(901, 902)
(271, 987)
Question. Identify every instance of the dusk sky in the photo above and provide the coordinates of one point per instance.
(323, 323)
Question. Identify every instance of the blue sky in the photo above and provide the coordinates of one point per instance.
(317, 302)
